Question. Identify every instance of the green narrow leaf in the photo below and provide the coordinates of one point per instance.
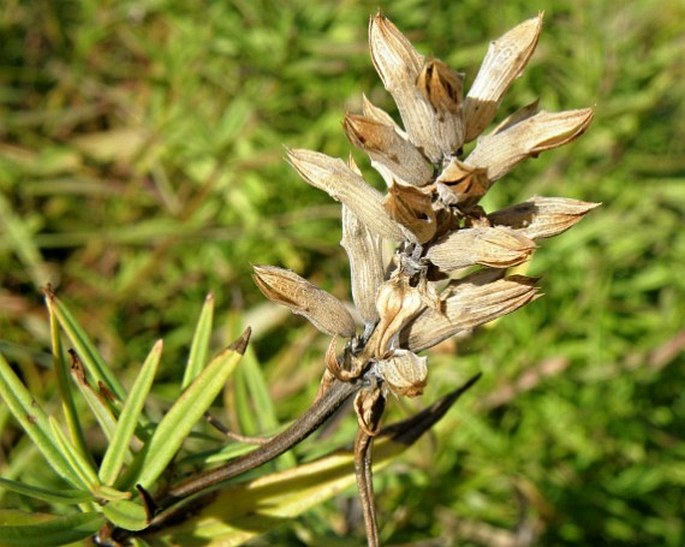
(26, 530)
(80, 465)
(103, 413)
(65, 388)
(130, 414)
(87, 352)
(34, 421)
(181, 417)
(200, 345)
(126, 514)
(64, 496)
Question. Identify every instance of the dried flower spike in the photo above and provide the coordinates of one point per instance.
(431, 209)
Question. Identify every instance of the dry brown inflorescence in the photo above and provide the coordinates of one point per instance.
(448, 273)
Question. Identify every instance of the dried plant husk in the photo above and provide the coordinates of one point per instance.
(404, 372)
(542, 217)
(514, 141)
(367, 271)
(505, 60)
(466, 304)
(397, 303)
(436, 132)
(392, 155)
(413, 209)
(321, 308)
(461, 183)
(496, 247)
(339, 181)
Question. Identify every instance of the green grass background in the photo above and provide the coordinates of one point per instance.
(141, 166)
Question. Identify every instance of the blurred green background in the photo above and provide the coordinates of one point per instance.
(141, 166)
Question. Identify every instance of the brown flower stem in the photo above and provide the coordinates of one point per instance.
(370, 404)
(362, 467)
(208, 481)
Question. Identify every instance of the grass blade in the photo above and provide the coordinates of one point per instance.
(126, 425)
(200, 345)
(34, 421)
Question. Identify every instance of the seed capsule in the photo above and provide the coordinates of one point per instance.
(405, 373)
(542, 217)
(322, 309)
(498, 247)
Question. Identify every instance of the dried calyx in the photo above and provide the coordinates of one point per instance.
(431, 213)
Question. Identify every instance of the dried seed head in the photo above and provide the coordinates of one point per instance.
(322, 309)
(340, 182)
(413, 209)
(498, 247)
(441, 86)
(541, 217)
(467, 304)
(505, 60)
(367, 271)
(397, 303)
(511, 143)
(404, 372)
(460, 183)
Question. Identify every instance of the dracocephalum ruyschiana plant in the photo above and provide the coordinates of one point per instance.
(446, 276)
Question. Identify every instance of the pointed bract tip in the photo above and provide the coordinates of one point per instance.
(240, 344)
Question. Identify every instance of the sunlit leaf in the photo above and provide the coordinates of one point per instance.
(86, 350)
(34, 420)
(39, 530)
(177, 423)
(62, 496)
(119, 444)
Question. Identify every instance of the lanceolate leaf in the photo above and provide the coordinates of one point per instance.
(66, 388)
(96, 402)
(34, 421)
(86, 350)
(28, 530)
(63, 496)
(177, 423)
(120, 442)
(79, 464)
(126, 514)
